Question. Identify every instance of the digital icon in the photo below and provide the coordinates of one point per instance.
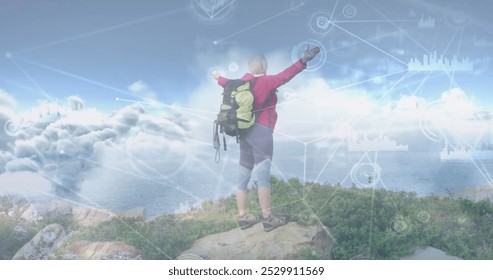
(320, 23)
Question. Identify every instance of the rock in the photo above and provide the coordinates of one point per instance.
(42, 244)
(83, 215)
(37, 211)
(430, 253)
(135, 213)
(86, 250)
(89, 217)
(282, 243)
(477, 193)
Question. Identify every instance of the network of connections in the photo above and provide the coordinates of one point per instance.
(111, 104)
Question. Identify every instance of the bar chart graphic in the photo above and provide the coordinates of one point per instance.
(433, 63)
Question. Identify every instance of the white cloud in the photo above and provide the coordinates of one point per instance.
(310, 109)
(7, 103)
(141, 89)
(66, 148)
(76, 103)
(138, 87)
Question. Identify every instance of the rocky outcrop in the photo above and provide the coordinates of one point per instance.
(430, 253)
(83, 215)
(477, 193)
(38, 211)
(43, 244)
(282, 243)
(85, 250)
(89, 217)
(138, 213)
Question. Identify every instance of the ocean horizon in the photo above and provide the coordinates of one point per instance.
(411, 171)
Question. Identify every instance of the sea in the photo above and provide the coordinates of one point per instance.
(422, 172)
(201, 178)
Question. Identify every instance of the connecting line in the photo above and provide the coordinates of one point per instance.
(388, 194)
(371, 21)
(304, 168)
(485, 176)
(276, 132)
(407, 35)
(306, 205)
(329, 160)
(387, 127)
(370, 44)
(43, 92)
(456, 55)
(138, 176)
(153, 103)
(371, 219)
(74, 76)
(220, 11)
(386, 93)
(344, 87)
(333, 11)
(490, 180)
(356, 121)
(114, 27)
(258, 23)
(344, 180)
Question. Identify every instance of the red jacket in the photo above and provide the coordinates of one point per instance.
(264, 85)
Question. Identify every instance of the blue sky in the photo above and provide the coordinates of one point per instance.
(110, 54)
(97, 49)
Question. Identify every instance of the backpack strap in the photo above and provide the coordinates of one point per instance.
(216, 141)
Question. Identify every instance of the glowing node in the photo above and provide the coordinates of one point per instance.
(366, 174)
(320, 23)
(62, 152)
(189, 257)
(233, 67)
(349, 11)
(215, 42)
(11, 128)
(117, 99)
(456, 17)
(8, 55)
(400, 224)
(423, 216)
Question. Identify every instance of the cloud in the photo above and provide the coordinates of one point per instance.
(138, 87)
(141, 89)
(65, 148)
(7, 103)
(6, 99)
(311, 109)
(76, 103)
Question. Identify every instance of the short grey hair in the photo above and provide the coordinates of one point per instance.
(257, 64)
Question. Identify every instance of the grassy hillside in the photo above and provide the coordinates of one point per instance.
(367, 223)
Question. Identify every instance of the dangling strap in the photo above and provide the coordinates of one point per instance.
(224, 142)
(216, 141)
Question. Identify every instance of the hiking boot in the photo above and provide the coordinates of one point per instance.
(273, 222)
(247, 221)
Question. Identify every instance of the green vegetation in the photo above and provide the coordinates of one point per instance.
(367, 223)
(166, 236)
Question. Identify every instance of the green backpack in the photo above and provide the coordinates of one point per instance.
(236, 114)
